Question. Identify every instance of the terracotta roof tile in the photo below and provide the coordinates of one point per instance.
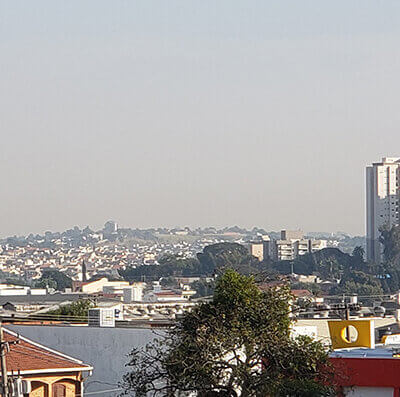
(30, 356)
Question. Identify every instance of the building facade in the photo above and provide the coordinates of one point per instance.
(291, 245)
(382, 204)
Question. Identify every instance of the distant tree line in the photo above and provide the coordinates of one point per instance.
(213, 260)
(349, 274)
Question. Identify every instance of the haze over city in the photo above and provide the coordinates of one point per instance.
(199, 198)
(194, 113)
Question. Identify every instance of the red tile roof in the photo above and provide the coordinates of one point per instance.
(29, 356)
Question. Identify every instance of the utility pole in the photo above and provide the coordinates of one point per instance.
(4, 378)
(347, 317)
(347, 312)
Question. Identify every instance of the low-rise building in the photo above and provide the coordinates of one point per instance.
(100, 285)
(37, 371)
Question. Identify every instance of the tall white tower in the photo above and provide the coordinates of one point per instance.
(383, 194)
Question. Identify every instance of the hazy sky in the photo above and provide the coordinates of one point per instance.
(166, 113)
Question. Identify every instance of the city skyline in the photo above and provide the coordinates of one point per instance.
(194, 114)
(177, 228)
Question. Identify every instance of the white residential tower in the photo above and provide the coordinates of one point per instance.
(382, 202)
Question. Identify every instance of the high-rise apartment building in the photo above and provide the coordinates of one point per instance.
(383, 191)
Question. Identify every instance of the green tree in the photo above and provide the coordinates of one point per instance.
(72, 312)
(169, 282)
(358, 252)
(61, 280)
(203, 288)
(314, 288)
(45, 283)
(220, 256)
(214, 259)
(360, 283)
(358, 258)
(390, 239)
(238, 344)
(330, 263)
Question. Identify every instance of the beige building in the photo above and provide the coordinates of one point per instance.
(382, 202)
(260, 249)
(101, 285)
(293, 244)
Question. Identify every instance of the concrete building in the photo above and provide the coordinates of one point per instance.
(100, 285)
(293, 244)
(292, 235)
(260, 249)
(257, 249)
(382, 190)
(17, 290)
(133, 293)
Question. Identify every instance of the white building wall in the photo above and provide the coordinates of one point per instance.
(382, 199)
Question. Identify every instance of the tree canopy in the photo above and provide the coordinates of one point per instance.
(390, 239)
(54, 279)
(239, 344)
(72, 312)
(213, 259)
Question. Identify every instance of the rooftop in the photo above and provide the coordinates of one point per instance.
(27, 356)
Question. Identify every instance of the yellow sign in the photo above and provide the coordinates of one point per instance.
(352, 333)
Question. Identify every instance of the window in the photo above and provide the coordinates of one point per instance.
(59, 390)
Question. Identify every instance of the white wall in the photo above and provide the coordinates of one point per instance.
(105, 349)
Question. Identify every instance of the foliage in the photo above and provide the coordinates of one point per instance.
(15, 280)
(169, 282)
(220, 256)
(45, 283)
(360, 283)
(358, 254)
(171, 266)
(203, 288)
(314, 288)
(60, 280)
(75, 311)
(329, 263)
(238, 344)
(214, 258)
(390, 239)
